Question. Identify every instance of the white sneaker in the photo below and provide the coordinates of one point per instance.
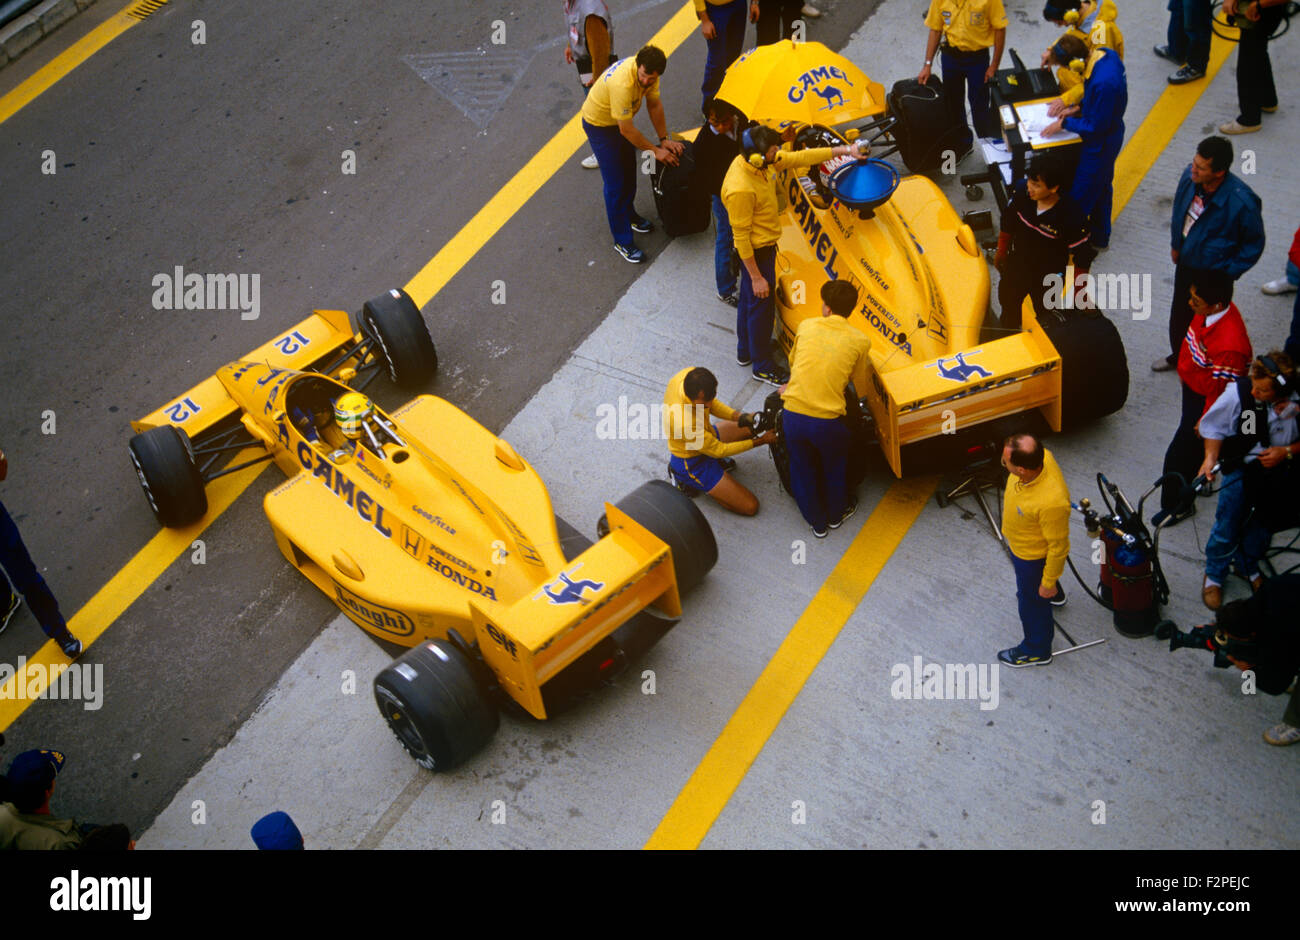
(810, 11)
(1280, 286)
(591, 163)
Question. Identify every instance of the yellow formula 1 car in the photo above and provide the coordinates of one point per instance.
(944, 376)
(426, 529)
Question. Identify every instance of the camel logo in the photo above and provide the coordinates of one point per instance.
(570, 591)
(833, 97)
(812, 80)
(385, 619)
(963, 370)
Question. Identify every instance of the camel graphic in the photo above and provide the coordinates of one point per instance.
(833, 97)
(963, 370)
(571, 593)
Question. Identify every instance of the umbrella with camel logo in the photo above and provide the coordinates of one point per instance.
(800, 83)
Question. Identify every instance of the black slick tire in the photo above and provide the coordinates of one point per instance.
(434, 703)
(673, 517)
(169, 476)
(1094, 377)
(393, 323)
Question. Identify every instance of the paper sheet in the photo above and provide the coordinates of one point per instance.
(1033, 118)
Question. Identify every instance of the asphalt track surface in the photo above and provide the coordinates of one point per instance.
(189, 184)
(226, 157)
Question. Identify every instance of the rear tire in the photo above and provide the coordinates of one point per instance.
(171, 481)
(403, 344)
(673, 517)
(435, 705)
(1094, 368)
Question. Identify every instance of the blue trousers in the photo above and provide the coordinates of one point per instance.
(27, 581)
(1094, 182)
(965, 74)
(724, 272)
(729, 20)
(819, 466)
(1231, 539)
(1188, 34)
(754, 315)
(617, 160)
(1035, 611)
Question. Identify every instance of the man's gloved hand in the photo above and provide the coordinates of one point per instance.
(746, 420)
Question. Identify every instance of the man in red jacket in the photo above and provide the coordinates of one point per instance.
(1215, 353)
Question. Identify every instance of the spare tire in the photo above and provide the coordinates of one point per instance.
(673, 517)
(393, 322)
(164, 464)
(434, 703)
(1094, 368)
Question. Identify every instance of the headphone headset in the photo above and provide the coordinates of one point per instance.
(1273, 369)
(1071, 17)
(1075, 65)
(756, 159)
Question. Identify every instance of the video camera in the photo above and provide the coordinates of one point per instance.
(1209, 637)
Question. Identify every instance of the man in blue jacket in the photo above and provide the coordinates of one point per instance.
(1216, 224)
(1099, 122)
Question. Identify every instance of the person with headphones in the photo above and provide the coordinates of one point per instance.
(1099, 122)
(749, 194)
(1252, 434)
(1090, 21)
(1256, 92)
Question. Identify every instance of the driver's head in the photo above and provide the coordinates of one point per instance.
(351, 411)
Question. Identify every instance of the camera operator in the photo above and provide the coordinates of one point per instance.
(1263, 629)
(1251, 432)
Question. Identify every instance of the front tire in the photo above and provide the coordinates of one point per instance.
(674, 518)
(393, 323)
(165, 467)
(433, 702)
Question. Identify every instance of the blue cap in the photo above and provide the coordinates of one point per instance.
(35, 769)
(276, 831)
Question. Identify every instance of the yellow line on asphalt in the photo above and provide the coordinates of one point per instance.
(65, 62)
(165, 547)
(725, 764)
(499, 209)
(1167, 115)
(112, 600)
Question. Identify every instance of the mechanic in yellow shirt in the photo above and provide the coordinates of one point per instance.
(1036, 524)
(967, 28)
(612, 103)
(1090, 21)
(828, 353)
(749, 194)
(700, 451)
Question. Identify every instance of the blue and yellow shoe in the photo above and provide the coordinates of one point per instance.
(1016, 659)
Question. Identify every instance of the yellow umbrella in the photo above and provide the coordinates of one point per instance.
(789, 82)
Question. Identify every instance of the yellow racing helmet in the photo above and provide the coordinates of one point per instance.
(350, 411)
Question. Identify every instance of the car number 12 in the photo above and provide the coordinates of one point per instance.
(292, 343)
(181, 411)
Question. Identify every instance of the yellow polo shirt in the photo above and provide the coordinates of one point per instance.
(827, 353)
(750, 197)
(687, 429)
(1036, 519)
(967, 24)
(616, 95)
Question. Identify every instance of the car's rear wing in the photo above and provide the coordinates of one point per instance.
(1000, 378)
(535, 639)
(312, 341)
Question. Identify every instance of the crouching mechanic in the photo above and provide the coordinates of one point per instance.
(1252, 433)
(828, 353)
(702, 451)
(1265, 625)
(1036, 523)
